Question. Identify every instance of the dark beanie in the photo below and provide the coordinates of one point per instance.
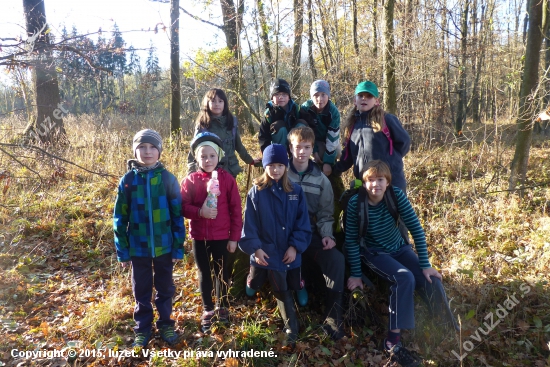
(278, 86)
(275, 153)
(147, 136)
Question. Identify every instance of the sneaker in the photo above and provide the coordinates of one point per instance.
(302, 297)
(206, 320)
(222, 314)
(142, 339)
(400, 354)
(169, 335)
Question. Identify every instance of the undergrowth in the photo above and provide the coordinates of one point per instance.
(61, 287)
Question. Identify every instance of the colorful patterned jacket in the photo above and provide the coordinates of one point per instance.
(148, 220)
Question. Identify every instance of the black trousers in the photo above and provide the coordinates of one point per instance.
(212, 262)
(142, 286)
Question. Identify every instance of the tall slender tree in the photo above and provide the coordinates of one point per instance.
(47, 125)
(175, 87)
(529, 82)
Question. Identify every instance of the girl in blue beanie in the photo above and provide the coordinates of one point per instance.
(275, 233)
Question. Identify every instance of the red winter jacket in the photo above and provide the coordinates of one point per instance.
(228, 222)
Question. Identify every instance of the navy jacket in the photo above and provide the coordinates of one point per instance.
(364, 145)
(273, 221)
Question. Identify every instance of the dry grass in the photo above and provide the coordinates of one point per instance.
(55, 226)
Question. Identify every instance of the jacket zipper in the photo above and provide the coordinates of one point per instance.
(151, 238)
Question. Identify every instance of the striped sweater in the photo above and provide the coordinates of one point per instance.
(382, 233)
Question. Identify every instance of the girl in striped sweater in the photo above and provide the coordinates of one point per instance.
(385, 251)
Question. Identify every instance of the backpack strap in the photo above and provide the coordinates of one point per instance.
(386, 132)
(391, 203)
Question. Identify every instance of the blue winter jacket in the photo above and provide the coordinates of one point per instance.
(273, 221)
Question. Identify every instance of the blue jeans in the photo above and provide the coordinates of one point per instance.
(402, 270)
(142, 286)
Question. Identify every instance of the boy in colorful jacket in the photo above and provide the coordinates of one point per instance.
(149, 233)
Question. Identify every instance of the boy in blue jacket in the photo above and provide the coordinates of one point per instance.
(149, 233)
(276, 232)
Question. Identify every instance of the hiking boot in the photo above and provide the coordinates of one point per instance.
(285, 303)
(206, 320)
(400, 354)
(223, 314)
(169, 335)
(142, 339)
(302, 297)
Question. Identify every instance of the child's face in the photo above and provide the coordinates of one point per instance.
(320, 100)
(216, 106)
(207, 158)
(275, 171)
(147, 154)
(280, 99)
(376, 187)
(365, 102)
(301, 150)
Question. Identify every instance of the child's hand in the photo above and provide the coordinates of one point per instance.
(354, 283)
(174, 261)
(256, 161)
(231, 246)
(124, 264)
(328, 243)
(260, 256)
(431, 272)
(209, 213)
(327, 169)
(316, 158)
(290, 255)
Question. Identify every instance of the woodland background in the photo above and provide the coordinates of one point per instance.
(467, 78)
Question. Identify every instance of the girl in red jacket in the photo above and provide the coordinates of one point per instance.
(215, 231)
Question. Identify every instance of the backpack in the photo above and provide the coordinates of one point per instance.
(356, 187)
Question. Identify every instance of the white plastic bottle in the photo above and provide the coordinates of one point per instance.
(213, 189)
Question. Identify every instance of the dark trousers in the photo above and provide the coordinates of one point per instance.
(212, 257)
(402, 270)
(280, 281)
(331, 262)
(147, 272)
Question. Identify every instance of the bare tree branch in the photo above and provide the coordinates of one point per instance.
(202, 20)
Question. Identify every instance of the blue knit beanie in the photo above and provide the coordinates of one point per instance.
(275, 153)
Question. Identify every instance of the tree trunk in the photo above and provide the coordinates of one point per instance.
(231, 28)
(297, 49)
(47, 126)
(390, 98)
(310, 39)
(175, 87)
(354, 26)
(461, 107)
(528, 87)
(375, 29)
(265, 39)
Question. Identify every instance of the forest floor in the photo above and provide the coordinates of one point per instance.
(62, 290)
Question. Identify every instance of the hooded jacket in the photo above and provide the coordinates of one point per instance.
(274, 220)
(228, 223)
(364, 145)
(149, 222)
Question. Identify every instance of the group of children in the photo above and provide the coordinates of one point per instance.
(288, 218)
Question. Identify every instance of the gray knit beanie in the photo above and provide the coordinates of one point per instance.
(319, 86)
(147, 136)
